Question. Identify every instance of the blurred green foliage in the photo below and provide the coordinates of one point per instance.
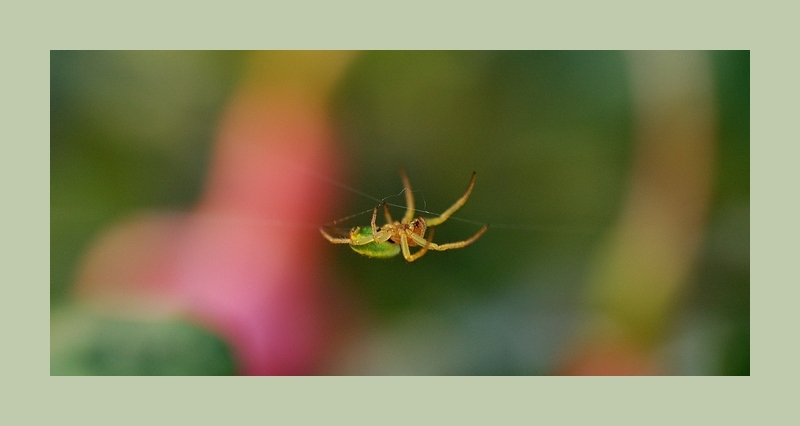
(88, 343)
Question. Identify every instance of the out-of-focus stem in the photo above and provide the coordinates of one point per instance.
(645, 261)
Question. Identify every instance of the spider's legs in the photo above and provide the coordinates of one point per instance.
(386, 214)
(404, 247)
(457, 205)
(407, 252)
(358, 239)
(456, 245)
(409, 198)
(373, 225)
(334, 239)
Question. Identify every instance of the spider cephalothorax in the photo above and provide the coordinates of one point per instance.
(395, 237)
(416, 227)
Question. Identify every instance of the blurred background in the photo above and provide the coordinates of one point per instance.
(187, 189)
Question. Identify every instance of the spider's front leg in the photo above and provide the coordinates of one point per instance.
(334, 239)
(457, 205)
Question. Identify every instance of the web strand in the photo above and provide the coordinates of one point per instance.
(538, 228)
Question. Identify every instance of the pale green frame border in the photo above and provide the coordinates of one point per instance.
(35, 28)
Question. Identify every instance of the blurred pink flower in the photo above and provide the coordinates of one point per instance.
(239, 264)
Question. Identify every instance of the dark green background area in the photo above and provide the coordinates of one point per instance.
(548, 133)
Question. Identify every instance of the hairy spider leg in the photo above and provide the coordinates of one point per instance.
(456, 245)
(374, 225)
(409, 198)
(334, 239)
(425, 244)
(457, 205)
(360, 241)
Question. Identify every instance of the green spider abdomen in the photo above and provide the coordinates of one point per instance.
(382, 250)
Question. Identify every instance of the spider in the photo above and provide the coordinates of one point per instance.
(389, 240)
